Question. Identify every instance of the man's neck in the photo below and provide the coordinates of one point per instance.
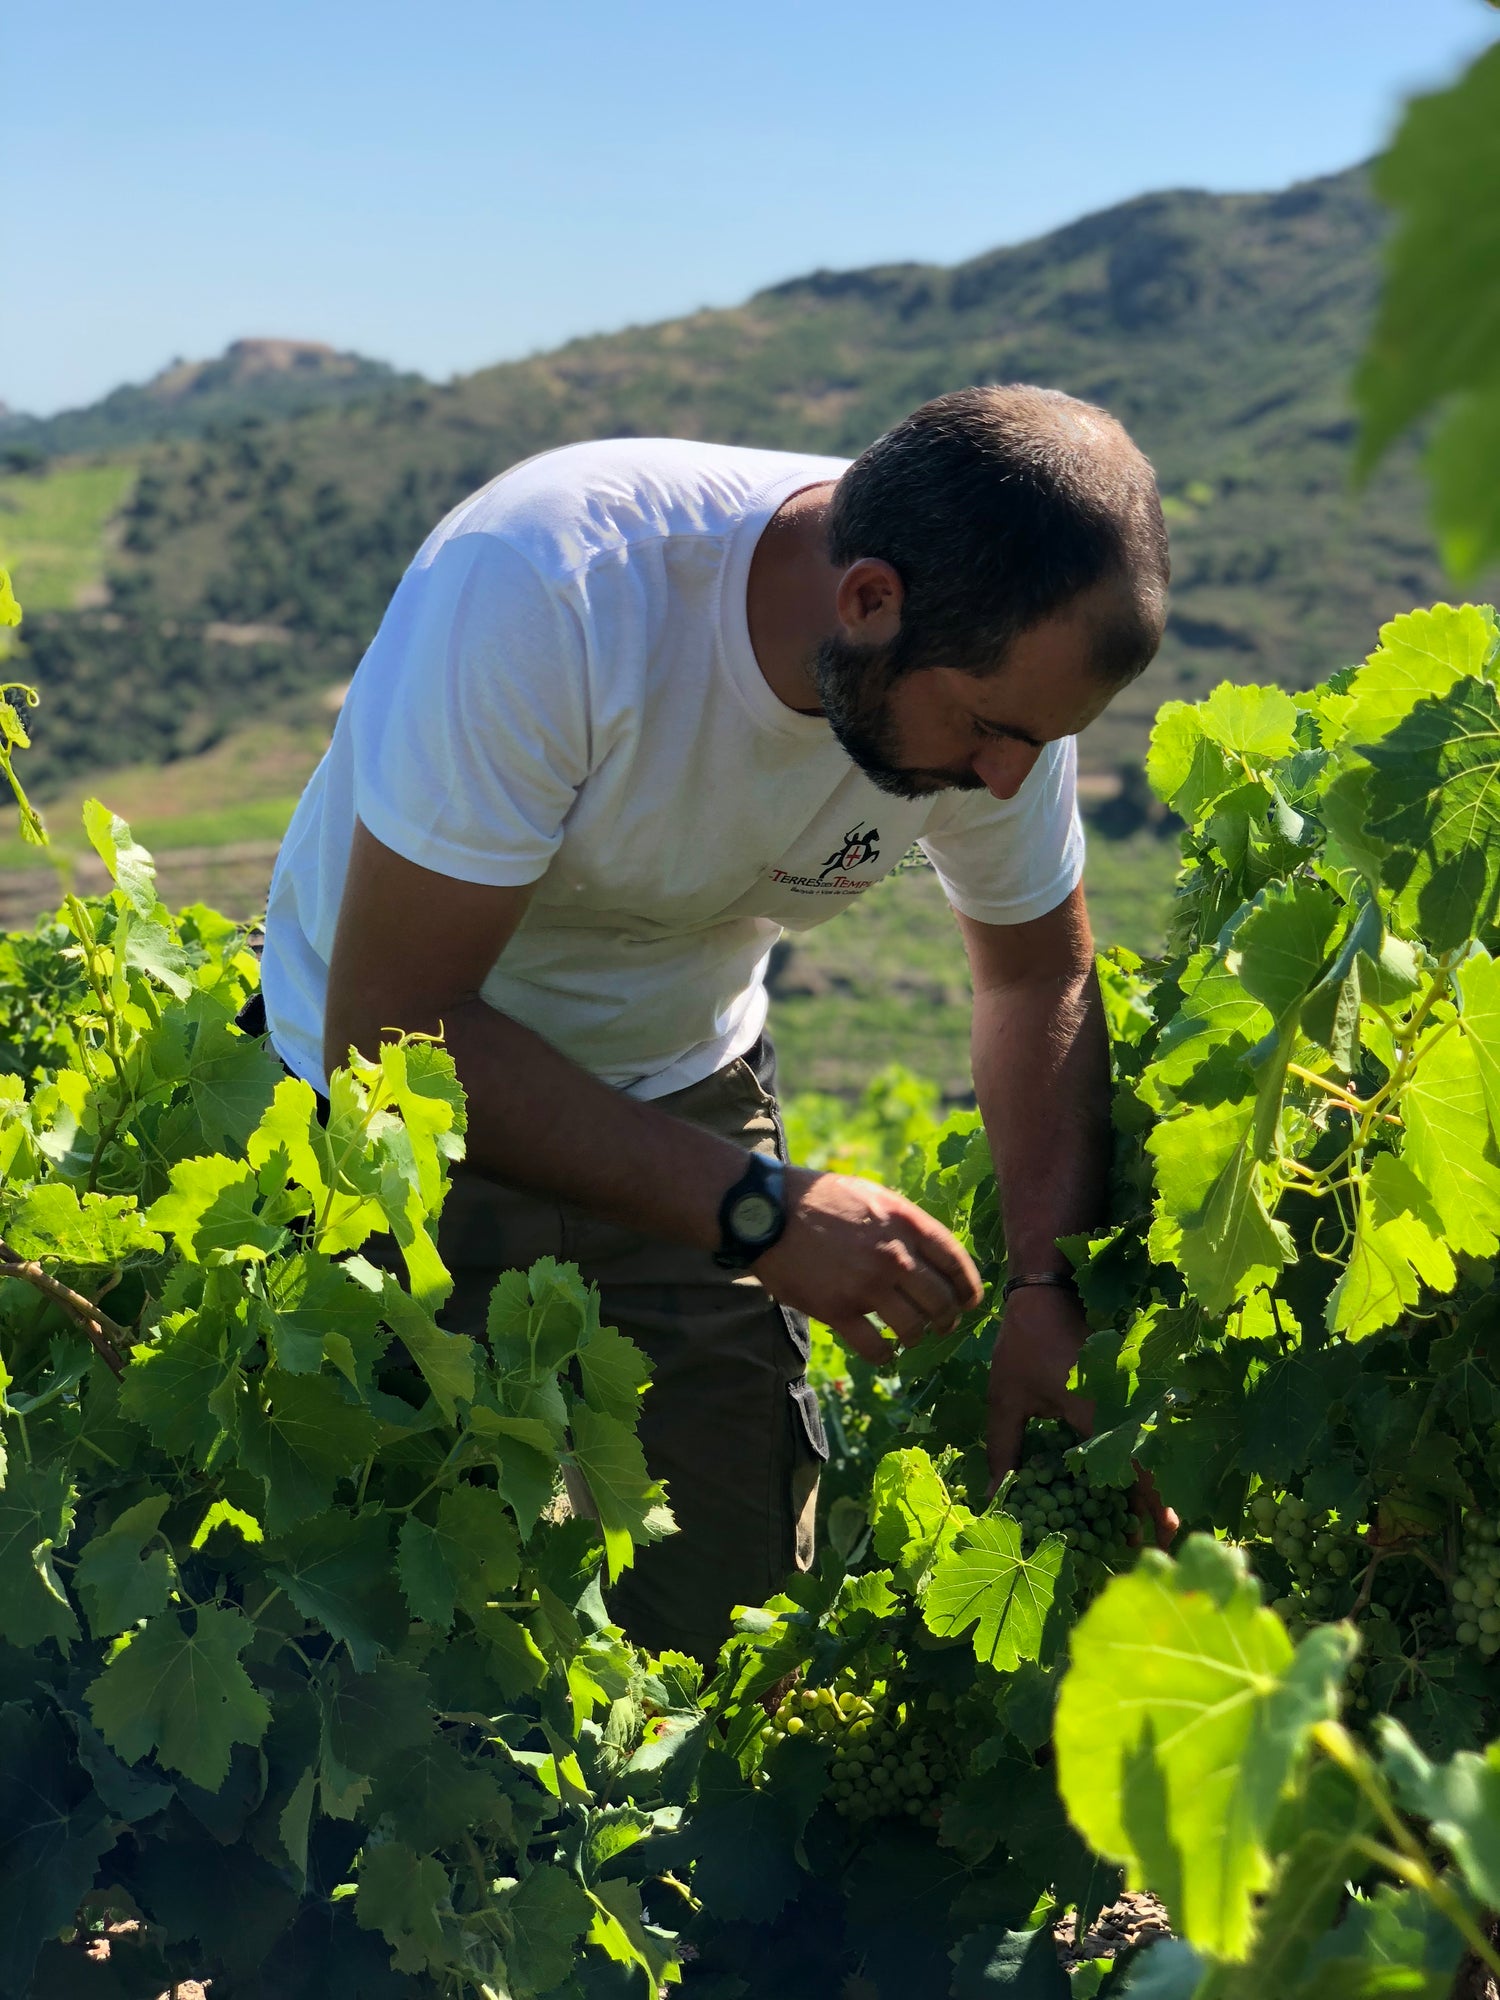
(789, 600)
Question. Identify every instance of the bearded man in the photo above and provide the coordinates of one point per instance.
(636, 708)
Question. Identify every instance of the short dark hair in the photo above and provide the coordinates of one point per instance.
(997, 507)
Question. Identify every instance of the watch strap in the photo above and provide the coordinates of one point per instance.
(764, 1175)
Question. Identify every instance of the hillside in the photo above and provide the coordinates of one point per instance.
(254, 565)
(268, 379)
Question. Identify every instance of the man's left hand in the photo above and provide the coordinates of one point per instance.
(1035, 1353)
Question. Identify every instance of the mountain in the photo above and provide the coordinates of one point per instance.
(1220, 328)
(268, 379)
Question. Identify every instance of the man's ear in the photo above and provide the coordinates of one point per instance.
(869, 600)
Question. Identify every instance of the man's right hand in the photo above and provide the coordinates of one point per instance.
(851, 1249)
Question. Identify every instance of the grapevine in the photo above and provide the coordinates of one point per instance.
(244, 1450)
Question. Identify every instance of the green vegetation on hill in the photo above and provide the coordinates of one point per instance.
(53, 529)
(260, 379)
(1220, 328)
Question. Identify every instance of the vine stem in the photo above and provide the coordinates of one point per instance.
(108, 1337)
(1335, 1091)
(1404, 1858)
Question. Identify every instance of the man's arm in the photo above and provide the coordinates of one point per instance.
(412, 951)
(1041, 1074)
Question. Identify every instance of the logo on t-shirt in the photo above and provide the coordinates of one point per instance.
(861, 846)
(858, 849)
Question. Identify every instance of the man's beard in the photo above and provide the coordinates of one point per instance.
(855, 685)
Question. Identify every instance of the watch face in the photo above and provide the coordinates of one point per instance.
(752, 1217)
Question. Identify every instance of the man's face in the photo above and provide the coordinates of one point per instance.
(936, 729)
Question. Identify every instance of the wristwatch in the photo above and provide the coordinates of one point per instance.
(752, 1214)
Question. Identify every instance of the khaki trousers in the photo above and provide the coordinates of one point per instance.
(730, 1422)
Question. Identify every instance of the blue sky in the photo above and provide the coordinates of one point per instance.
(456, 183)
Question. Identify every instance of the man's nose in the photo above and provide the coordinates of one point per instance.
(1004, 766)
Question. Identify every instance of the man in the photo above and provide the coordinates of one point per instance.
(635, 708)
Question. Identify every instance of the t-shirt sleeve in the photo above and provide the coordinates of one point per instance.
(470, 716)
(1007, 861)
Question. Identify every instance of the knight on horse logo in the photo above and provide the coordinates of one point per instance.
(861, 846)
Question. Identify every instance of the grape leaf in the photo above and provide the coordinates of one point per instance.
(1448, 1145)
(183, 1387)
(1279, 948)
(406, 1897)
(1186, 770)
(1170, 1970)
(996, 1961)
(210, 1210)
(526, 1461)
(1178, 1723)
(1394, 1942)
(915, 1517)
(619, 1930)
(433, 1795)
(231, 1077)
(424, 1086)
(1421, 654)
(1433, 340)
(337, 1569)
(117, 1580)
(1217, 1016)
(445, 1359)
(183, 1694)
(538, 1318)
(301, 1435)
(36, 1516)
(52, 1221)
(470, 1553)
(368, 1717)
(1479, 984)
(1397, 1248)
(317, 1308)
(631, 1505)
(1434, 801)
(615, 1373)
(1211, 1216)
(1461, 1798)
(1258, 723)
(55, 1832)
(983, 1581)
(130, 866)
(542, 1919)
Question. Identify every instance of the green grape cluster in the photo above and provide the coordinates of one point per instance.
(884, 1762)
(1475, 1591)
(1050, 1498)
(1320, 1554)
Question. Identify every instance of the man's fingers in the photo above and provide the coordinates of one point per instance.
(1007, 1429)
(864, 1338)
(907, 1321)
(930, 1297)
(948, 1258)
(1149, 1506)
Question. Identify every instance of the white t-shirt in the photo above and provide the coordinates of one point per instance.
(563, 692)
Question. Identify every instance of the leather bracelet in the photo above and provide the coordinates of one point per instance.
(1063, 1281)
